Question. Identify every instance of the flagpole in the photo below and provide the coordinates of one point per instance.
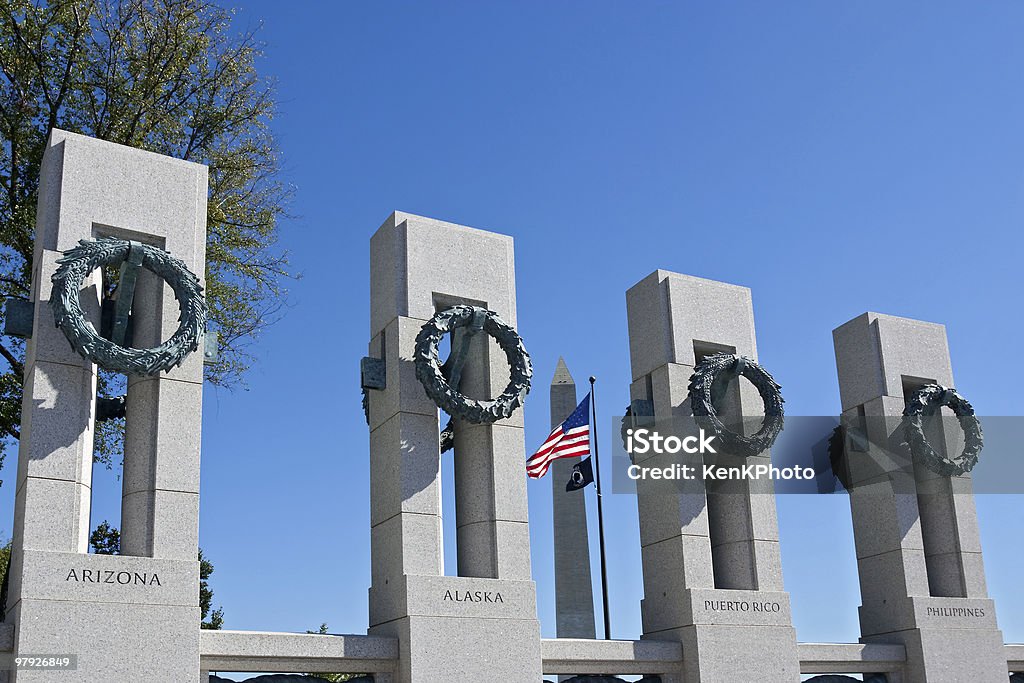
(600, 513)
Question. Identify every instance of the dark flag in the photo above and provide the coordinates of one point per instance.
(582, 474)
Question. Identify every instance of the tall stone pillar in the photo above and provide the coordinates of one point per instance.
(574, 592)
(922, 580)
(137, 612)
(710, 554)
(481, 624)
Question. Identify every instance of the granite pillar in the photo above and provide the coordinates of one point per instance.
(138, 611)
(482, 623)
(922, 579)
(707, 550)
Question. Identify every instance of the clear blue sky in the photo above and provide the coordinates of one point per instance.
(833, 157)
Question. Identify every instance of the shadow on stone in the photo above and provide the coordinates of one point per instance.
(65, 411)
(590, 678)
(288, 678)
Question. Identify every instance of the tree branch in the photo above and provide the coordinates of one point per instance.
(12, 360)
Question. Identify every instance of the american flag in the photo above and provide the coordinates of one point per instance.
(570, 438)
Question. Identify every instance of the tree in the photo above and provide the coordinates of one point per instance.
(216, 619)
(169, 76)
(106, 540)
(5, 561)
(5, 570)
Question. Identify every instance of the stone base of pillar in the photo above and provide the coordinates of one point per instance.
(460, 628)
(120, 616)
(947, 639)
(729, 635)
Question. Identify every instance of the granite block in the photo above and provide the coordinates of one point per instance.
(858, 361)
(91, 578)
(572, 655)
(670, 568)
(407, 543)
(912, 348)
(973, 567)
(503, 649)
(287, 652)
(405, 467)
(650, 343)
(160, 524)
(52, 514)
(512, 540)
(486, 454)
(667, 312)
(162, 443)
(945, 575)
(403, 392)
(885, 520)
(48, 342)
(112, 641)
(408, 277)
(768, 565)
(461, 596)
(104, 185)
(893, 574)
(670, 390)
(57, 423)
(665, 515)
(733, 563)
(718, 606)
(494, 549)
(741, 653)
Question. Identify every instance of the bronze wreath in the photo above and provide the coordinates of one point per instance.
(926, 402)
(455, 403)
(75, 266)
(704, 376)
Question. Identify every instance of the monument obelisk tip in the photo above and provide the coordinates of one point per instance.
(562, 375)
